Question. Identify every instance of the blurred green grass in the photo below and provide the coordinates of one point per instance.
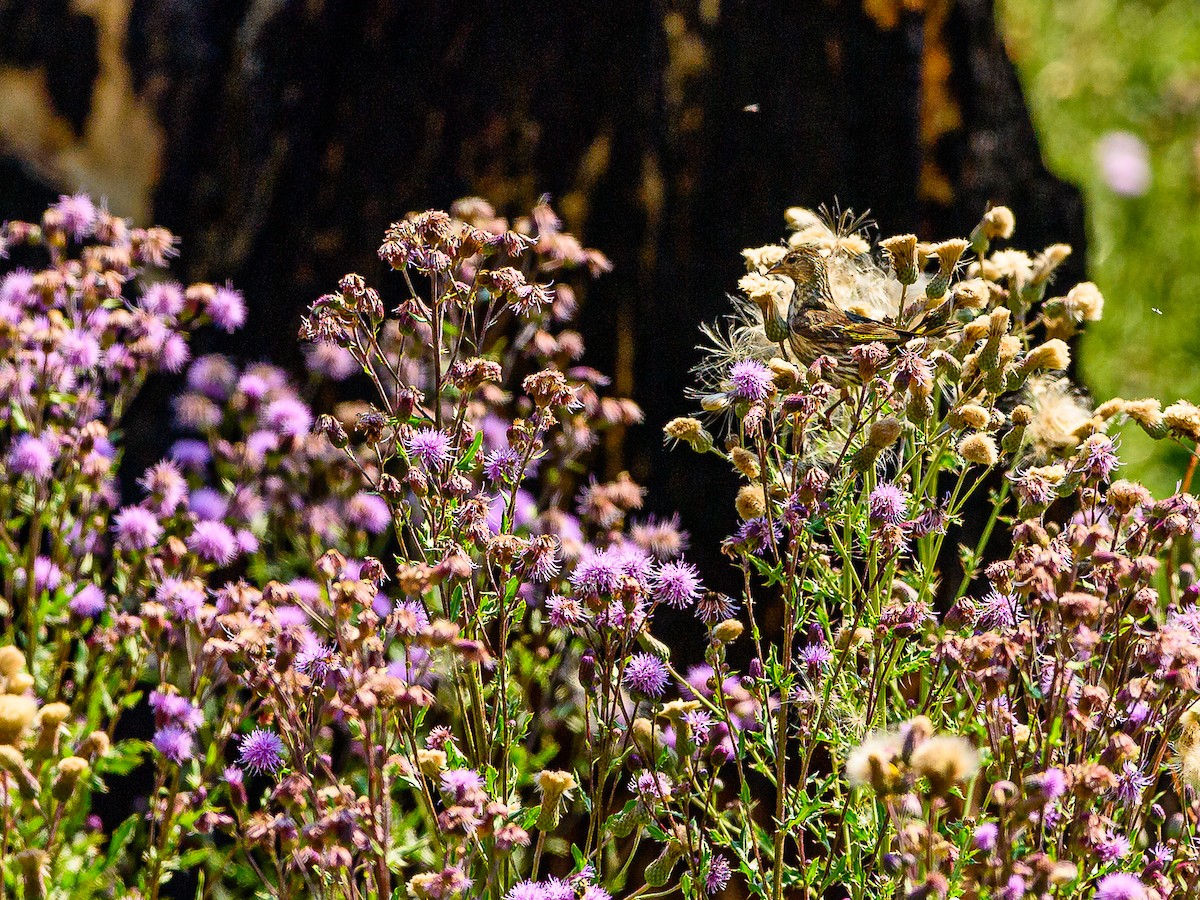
(1089, 68)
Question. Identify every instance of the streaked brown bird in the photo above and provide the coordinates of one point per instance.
(817, 326)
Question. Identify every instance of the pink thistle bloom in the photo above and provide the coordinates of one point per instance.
(227, 308)
(288, 416)
(751, 380)
(88, 603)
(136, 528)
(677, 584)
(164, 298)
(78, 214)
(1121, 886)
(369, 512)
(31, 456)
(214, 542)
(888, 503)
(262, 752)
(174, 743)
(431, 447)
(718, 874)
(330, 360)
(646, 674)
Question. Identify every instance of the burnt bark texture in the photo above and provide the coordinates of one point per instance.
(279, 137)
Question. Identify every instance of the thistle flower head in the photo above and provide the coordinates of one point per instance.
(645, 674)
(261, 751)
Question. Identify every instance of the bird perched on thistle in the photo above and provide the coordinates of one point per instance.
(817, 326)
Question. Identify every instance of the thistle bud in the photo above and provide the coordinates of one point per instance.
(49, 720)
(67, 775)
(12, 661)
(333, 430)
(1049, 260)
(555, 787)
(1052, 355)
(16, 714)
(997, 223)
(33, 865)
(751, 502)
(970, 415)
(659, 871)
(728, 631)
(95, 745)
(1148, 414)
(902, 250)
(431, 762)
(948, 254)
(745, 462)
(691, 432)
(979, 448)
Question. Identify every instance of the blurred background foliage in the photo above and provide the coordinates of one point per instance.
(1114, 91)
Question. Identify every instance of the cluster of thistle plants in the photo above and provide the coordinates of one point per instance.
(406, 647)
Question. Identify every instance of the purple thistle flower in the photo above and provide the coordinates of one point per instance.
(1131, 784)
(190, 453)
(1113, 846)
(183, 598)
(677, 584)
(319, 662)
(999, 611)
(1121, 886)
(596, 572)
(1101, 459)
(207, 504)
(227, 308)
(502, 465)
(566, 612)
(815, 657)
(718, 874)
(31, 456)
(985, 836)
(526, 890)
(88, 603)
(334, 362)
(136, 528)
(1051, 784)
(166, 485)
(46, 575)
(431, 447)
(174, 743)
(213, 376)
(214, 542)
(1014, 889)
(653, 788)
(175, 709)
(369, 512)
(595, 892)
(888, 503)
(465, 785)
(751, 380)
(755, 534)
(645, 674)
(18, 289)
(165, 298)
(78, 214)
(288, 416)
(715, 607)
(262, 752)
(663, 538)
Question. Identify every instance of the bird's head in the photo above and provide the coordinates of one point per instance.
(802, 264)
